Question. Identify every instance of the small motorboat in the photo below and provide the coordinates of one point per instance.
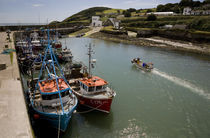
(142, 65)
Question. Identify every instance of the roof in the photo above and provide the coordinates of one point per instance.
(93, 81)
(49, 86)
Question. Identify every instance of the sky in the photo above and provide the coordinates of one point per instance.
(43, 11)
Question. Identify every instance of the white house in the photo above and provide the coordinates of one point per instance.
(195, 11)
(112, 22)
(96, 21)
(115, 22)
(168, 26)
(206, 12)
(187, 11)
(161, 13)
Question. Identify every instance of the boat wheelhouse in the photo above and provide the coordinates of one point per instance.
(92, 85)
(65, 55)
(37, 45)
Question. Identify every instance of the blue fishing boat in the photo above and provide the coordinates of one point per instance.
(51, 99)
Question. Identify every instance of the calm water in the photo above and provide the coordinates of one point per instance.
(171, 101)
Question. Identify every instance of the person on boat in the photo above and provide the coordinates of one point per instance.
(144, 64)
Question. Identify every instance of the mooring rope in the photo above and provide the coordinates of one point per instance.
(89, 110)
(59, 126)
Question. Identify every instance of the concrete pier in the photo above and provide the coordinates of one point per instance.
(14, 120)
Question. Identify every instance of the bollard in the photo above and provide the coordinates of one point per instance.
(3, 66)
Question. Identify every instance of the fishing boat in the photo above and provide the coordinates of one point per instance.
(51, 98)
(56, 44)
(93, 91)
(65, 55)
(142, 65)
(36, 43)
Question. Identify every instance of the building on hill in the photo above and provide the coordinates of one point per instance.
(187, 11)
(180, 26)
(167, 26)
(96, 21)
(112, 22)
(161, 13)
(206, 12)
(196, 11)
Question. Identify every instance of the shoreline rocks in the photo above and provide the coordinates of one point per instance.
(156, 42)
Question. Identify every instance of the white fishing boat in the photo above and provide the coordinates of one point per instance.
(142, 65)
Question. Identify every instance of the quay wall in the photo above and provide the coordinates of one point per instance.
(13, 111)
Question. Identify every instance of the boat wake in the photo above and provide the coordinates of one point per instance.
(182, 82)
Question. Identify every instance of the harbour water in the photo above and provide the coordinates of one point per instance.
(171, 101)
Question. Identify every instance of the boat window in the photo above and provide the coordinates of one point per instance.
(91, 89)
(63, 94)
(46, 97)
(98, 88)
(54, 96)
(104, 87)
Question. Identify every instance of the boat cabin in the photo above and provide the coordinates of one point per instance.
(49, 86)
(55, 96)
(50, 94)
(93, 85)
(36, 43)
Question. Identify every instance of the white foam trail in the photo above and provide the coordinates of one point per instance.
(182, 82)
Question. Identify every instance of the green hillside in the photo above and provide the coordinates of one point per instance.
(85, 15)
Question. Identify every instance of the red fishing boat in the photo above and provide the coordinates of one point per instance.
(93, 91)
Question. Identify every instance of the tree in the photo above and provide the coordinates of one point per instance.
(196, 4)
(160, 8)
(185, 3)
(149, 10)
(127, 14)
(151, 17)
(207, 1)
(131, 10)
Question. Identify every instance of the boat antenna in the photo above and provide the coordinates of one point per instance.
(90, 52)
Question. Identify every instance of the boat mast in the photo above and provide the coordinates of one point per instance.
(90, 51)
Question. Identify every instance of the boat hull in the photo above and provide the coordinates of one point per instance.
(38, 48)
(143, 68)
(103, 105)
(53, 119)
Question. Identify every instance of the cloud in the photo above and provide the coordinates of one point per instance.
(140, 3)
(37, 5)
(130, 2)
